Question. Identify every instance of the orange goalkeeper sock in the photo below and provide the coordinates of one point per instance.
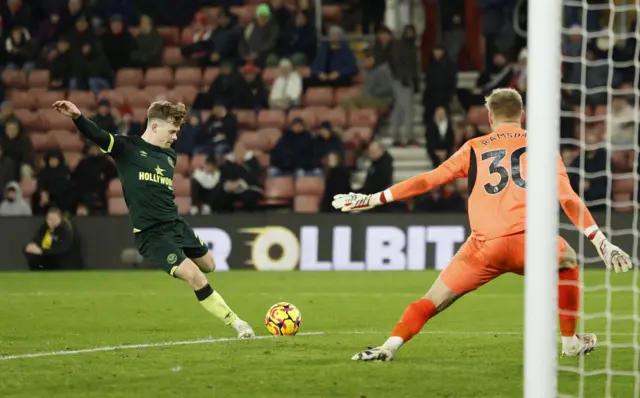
(413, 319)
(568, 300)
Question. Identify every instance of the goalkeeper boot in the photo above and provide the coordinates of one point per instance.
(584, 345)
(244, 329)
(380, 354)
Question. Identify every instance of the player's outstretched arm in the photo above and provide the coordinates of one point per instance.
(106, 141)
(456, 166)
(613, 257)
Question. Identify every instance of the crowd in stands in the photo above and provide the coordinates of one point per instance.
(278, 115)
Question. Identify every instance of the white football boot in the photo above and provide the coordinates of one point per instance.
(584, 345)
(244, 329)
(379, 354)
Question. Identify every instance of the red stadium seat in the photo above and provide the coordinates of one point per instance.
(304, 71)
(28, 186)
(306, 204)
(72, 159)
(187, 93)
(363, 117)
(30, 120)
(117, 206)
(308, 116)
(46, 98)
(262, 158)
(170, 35)
(197, 162)
(253, 140)
(278, 188)
(246, 119)
(344, 93)
(161, 76)
(115, 97)
(269, 75)
(67, 141)
(318, 96)
(362, 135)
(188, 76)
(14, 78)
(271, 118)
(52, 120)
(210, 74)
(184, 204)
(182, 164)
(622, 202)
(622, 185)
(154, 92)
(272, 134)
(309, 186)
(38, 78)
(337, 117)
(129, 77)
(134, 96)
(22, 99)
(115, 189)
(83, 99)
(186, 36)
(181, 185)
(140, 114)
(331, 13)
(42, 142)
(172, 56)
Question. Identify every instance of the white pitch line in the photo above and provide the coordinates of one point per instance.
(229, 339)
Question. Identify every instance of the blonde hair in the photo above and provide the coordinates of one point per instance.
(165, 110)
(504, 103)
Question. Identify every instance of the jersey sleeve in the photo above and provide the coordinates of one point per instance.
(107, 142)
(457, 166)
(571, 203)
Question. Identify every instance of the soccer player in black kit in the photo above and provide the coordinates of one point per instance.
(145, 168)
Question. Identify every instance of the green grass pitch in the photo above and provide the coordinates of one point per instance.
(474, 349)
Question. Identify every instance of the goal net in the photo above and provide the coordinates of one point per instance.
(600, 113)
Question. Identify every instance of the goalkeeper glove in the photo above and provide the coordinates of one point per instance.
(612, 255)
(356, 202)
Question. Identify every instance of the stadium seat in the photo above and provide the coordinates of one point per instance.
(269, 76)
(331, 13)
(344, 93)
(38, 78)
(244, 13)
(262, 158)
(188, 76)
(115, 189)
(186, 36)
(181, 185)
(363, 134)
(160, 76)
(272, 134)
(271, 118)
(115, 97)
(46, 98)
(67, 141)
(72, 159)
(350, 138)
(306, 204)
(253, 140)
(184, 204)
(307, 185)
(319, 114)
(117, 206)
(318, 96)
(308, 116)
(182, 164)
(622, 185)
(154, 91)
(278, 188)
(337, 117)
(187, 93)
(622, 202)
(133, 31)
(30, 120)
(129, 77)
(172, 56)
(197, 162)
(358, 79)
(28, 186)
(14, 78)
(210, 74)
(304, 71)
(52, 120)
(140, 114)
(170, 35)
(22, 99)
(246, 119)
(42, 142)
(363, 117)
(83, 99)
(134, 96)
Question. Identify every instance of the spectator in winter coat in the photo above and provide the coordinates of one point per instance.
(441, 83)
(91, 179)
(439, 136)
(294, 152)
(205, 185)
(63, 68)
(286, 91)
(118, 44)
(190, 133)
(71, 13)
(17, 146)
(595, 188)
(453, 27)
(223, 88)
(597, 76)
(224, 41)
(377, 91)
(149, 44)
(127, 125)
(20, 49)
(103, 118)
(13, 204)
(495, 76)
(281, 13)
(219, 132)
(327, 141)
(335, 64)
(337, 180)
(240, 181)
(196, 51)
(49, 31)
(298, 40)
(251, 92)
(54, 185)
(380, 174)
(260, 38)
(55, 245)
(8, 171)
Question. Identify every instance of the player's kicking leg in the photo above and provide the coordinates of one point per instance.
(573, 344)
(191, 271)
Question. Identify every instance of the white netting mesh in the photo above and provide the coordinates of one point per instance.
(601, 99)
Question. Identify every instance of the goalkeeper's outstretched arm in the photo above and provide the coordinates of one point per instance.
(581, 217)
(457, 166)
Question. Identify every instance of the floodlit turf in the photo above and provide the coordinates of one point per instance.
(472, 350)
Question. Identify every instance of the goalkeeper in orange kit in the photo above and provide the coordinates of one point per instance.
(495, 165)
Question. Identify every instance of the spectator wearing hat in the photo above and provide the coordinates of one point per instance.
(260, 38)
(118, 44)
(335, 65)
(295, 153)
(127, 126)
(298, 41)
(286, 91)
(219, 132)
(103, 118)
(91, 179)
(13, 205)
(149, 44)
(326, 142)
(252, 91)
(62, 68)
(196, 51)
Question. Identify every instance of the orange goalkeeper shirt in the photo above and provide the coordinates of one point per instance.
(496, 166)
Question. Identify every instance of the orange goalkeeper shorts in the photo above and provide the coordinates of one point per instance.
(478, 262)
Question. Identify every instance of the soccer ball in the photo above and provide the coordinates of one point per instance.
(283, 319)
